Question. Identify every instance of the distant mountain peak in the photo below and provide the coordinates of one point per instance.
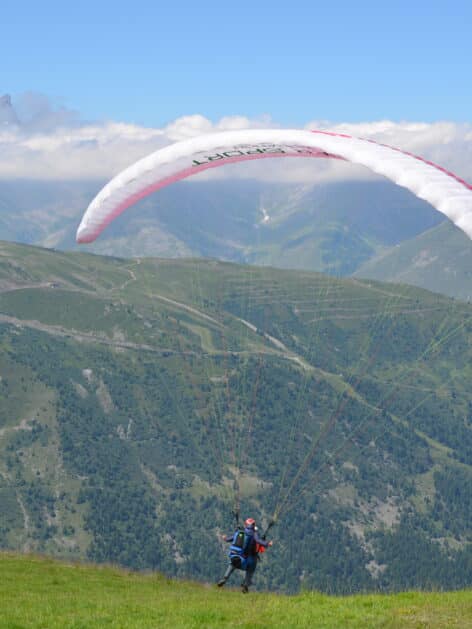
(7, 113)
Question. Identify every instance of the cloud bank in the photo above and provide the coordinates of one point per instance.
(38, 141)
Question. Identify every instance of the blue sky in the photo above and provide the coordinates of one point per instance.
(150, 62)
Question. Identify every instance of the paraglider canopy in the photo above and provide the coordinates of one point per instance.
(442, 189)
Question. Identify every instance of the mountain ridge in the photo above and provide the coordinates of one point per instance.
(372, 229)
(430, 260)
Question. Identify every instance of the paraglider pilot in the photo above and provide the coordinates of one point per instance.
(244, 553)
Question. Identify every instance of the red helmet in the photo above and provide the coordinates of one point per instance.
(250, 523)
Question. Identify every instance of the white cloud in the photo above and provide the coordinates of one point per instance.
(447, 144)
(38, 141)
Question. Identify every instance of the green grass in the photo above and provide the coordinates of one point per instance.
(39, 592)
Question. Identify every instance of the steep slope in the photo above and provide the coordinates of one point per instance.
(137, 394)
(439, 259)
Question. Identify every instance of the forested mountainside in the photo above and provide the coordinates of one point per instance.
(138, 394)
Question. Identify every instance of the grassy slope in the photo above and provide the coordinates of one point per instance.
(38, 592)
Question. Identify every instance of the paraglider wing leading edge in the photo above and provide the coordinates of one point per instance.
(443, 190)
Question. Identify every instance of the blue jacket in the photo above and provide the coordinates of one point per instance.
(251, 540)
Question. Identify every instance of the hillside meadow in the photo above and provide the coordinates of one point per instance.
(40, 592)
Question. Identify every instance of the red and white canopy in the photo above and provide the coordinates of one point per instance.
(443, 190)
